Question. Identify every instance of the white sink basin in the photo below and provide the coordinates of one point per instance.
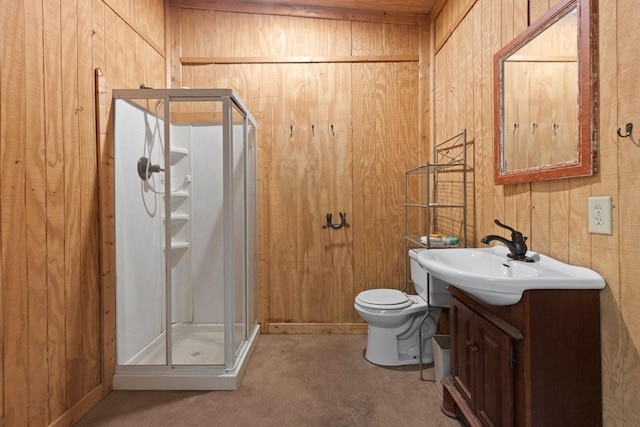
(492, 277)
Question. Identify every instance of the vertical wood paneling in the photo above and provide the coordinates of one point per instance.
(629, 222)
(493, 45)
(381, 139)
(112, 48)
(554, 213)
(89, 213)
(316, 170)
(297, 216)
(2, 371)
(55, 211)
(129, 58)
(50, 296)
(478, 153)
(359, 113)
(36, 214)
(99, 46)
(72, 233)
(107, 225)
(485, 168)
(340, 247)
(311, 171)
(368, 151)
(537, 8)
(268, 133)
(12, 216)
(605, 259)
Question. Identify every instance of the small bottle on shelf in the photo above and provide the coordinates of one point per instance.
(439, 241)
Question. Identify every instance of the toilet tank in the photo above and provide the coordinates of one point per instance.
(437, 293)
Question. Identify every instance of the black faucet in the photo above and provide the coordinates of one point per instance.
(517, 246)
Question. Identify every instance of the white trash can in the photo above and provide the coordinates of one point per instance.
(441, 357)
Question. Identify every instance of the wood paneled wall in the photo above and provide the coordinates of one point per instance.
(50, 298)
(334, 136)
(554, 213)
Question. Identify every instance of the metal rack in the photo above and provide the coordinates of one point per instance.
(436, 197)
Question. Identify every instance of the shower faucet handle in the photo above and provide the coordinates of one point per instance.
(145, 169)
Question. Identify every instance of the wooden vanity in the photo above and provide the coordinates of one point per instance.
(535, 363)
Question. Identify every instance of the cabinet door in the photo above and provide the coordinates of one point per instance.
(493, 374)
(462, 366)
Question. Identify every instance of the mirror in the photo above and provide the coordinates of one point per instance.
(545, 98)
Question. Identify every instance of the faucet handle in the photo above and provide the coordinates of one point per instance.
(499, 224)
(515, 235)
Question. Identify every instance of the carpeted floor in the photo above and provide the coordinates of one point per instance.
(291, 380)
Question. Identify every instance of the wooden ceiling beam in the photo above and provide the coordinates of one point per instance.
(305, 11)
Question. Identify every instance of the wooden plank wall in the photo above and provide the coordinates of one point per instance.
(334, 137)
(554, 213)
(50, 296)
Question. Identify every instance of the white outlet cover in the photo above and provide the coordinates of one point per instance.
(600, 215)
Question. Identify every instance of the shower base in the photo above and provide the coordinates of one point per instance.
(198, 362)
(193, 344)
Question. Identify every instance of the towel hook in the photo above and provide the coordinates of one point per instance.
(332, 131)
(628, 129)
(291, 128)
(313, 130)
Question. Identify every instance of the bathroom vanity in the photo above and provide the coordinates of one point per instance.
(533, 363)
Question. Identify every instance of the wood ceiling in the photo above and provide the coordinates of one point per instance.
(399, 11)
(418, 7)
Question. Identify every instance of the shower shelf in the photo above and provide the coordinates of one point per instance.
(178, 245)
(179, 217)
(179, 194)
(177, 154)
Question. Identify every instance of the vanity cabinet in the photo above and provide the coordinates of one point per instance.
(483, 357)
(535, 363)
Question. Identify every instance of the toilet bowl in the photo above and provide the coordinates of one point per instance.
(395, 318)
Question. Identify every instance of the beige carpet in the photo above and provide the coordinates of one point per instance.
(291, 380)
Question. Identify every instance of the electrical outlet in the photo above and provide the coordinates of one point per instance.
(600, 215)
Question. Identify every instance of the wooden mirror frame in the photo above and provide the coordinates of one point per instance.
(586, 148)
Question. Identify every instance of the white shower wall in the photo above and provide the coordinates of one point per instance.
(139, 255)
(207, 245)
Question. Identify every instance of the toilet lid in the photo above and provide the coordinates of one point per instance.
(391, 299)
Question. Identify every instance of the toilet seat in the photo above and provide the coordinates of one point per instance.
(384, 299)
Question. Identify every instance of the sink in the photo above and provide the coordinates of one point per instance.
(492, 277)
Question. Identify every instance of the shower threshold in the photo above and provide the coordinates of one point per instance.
(198, 362)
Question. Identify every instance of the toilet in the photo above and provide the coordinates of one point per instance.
(394, 318)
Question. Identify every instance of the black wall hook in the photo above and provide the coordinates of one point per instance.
(628, 128)
(330, 224)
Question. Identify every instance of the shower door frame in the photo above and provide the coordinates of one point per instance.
(232, 359)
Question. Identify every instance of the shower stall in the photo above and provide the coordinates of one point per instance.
(186, 238)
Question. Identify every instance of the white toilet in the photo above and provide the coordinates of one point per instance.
(394, 318)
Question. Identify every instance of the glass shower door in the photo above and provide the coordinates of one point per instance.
(238, 238)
